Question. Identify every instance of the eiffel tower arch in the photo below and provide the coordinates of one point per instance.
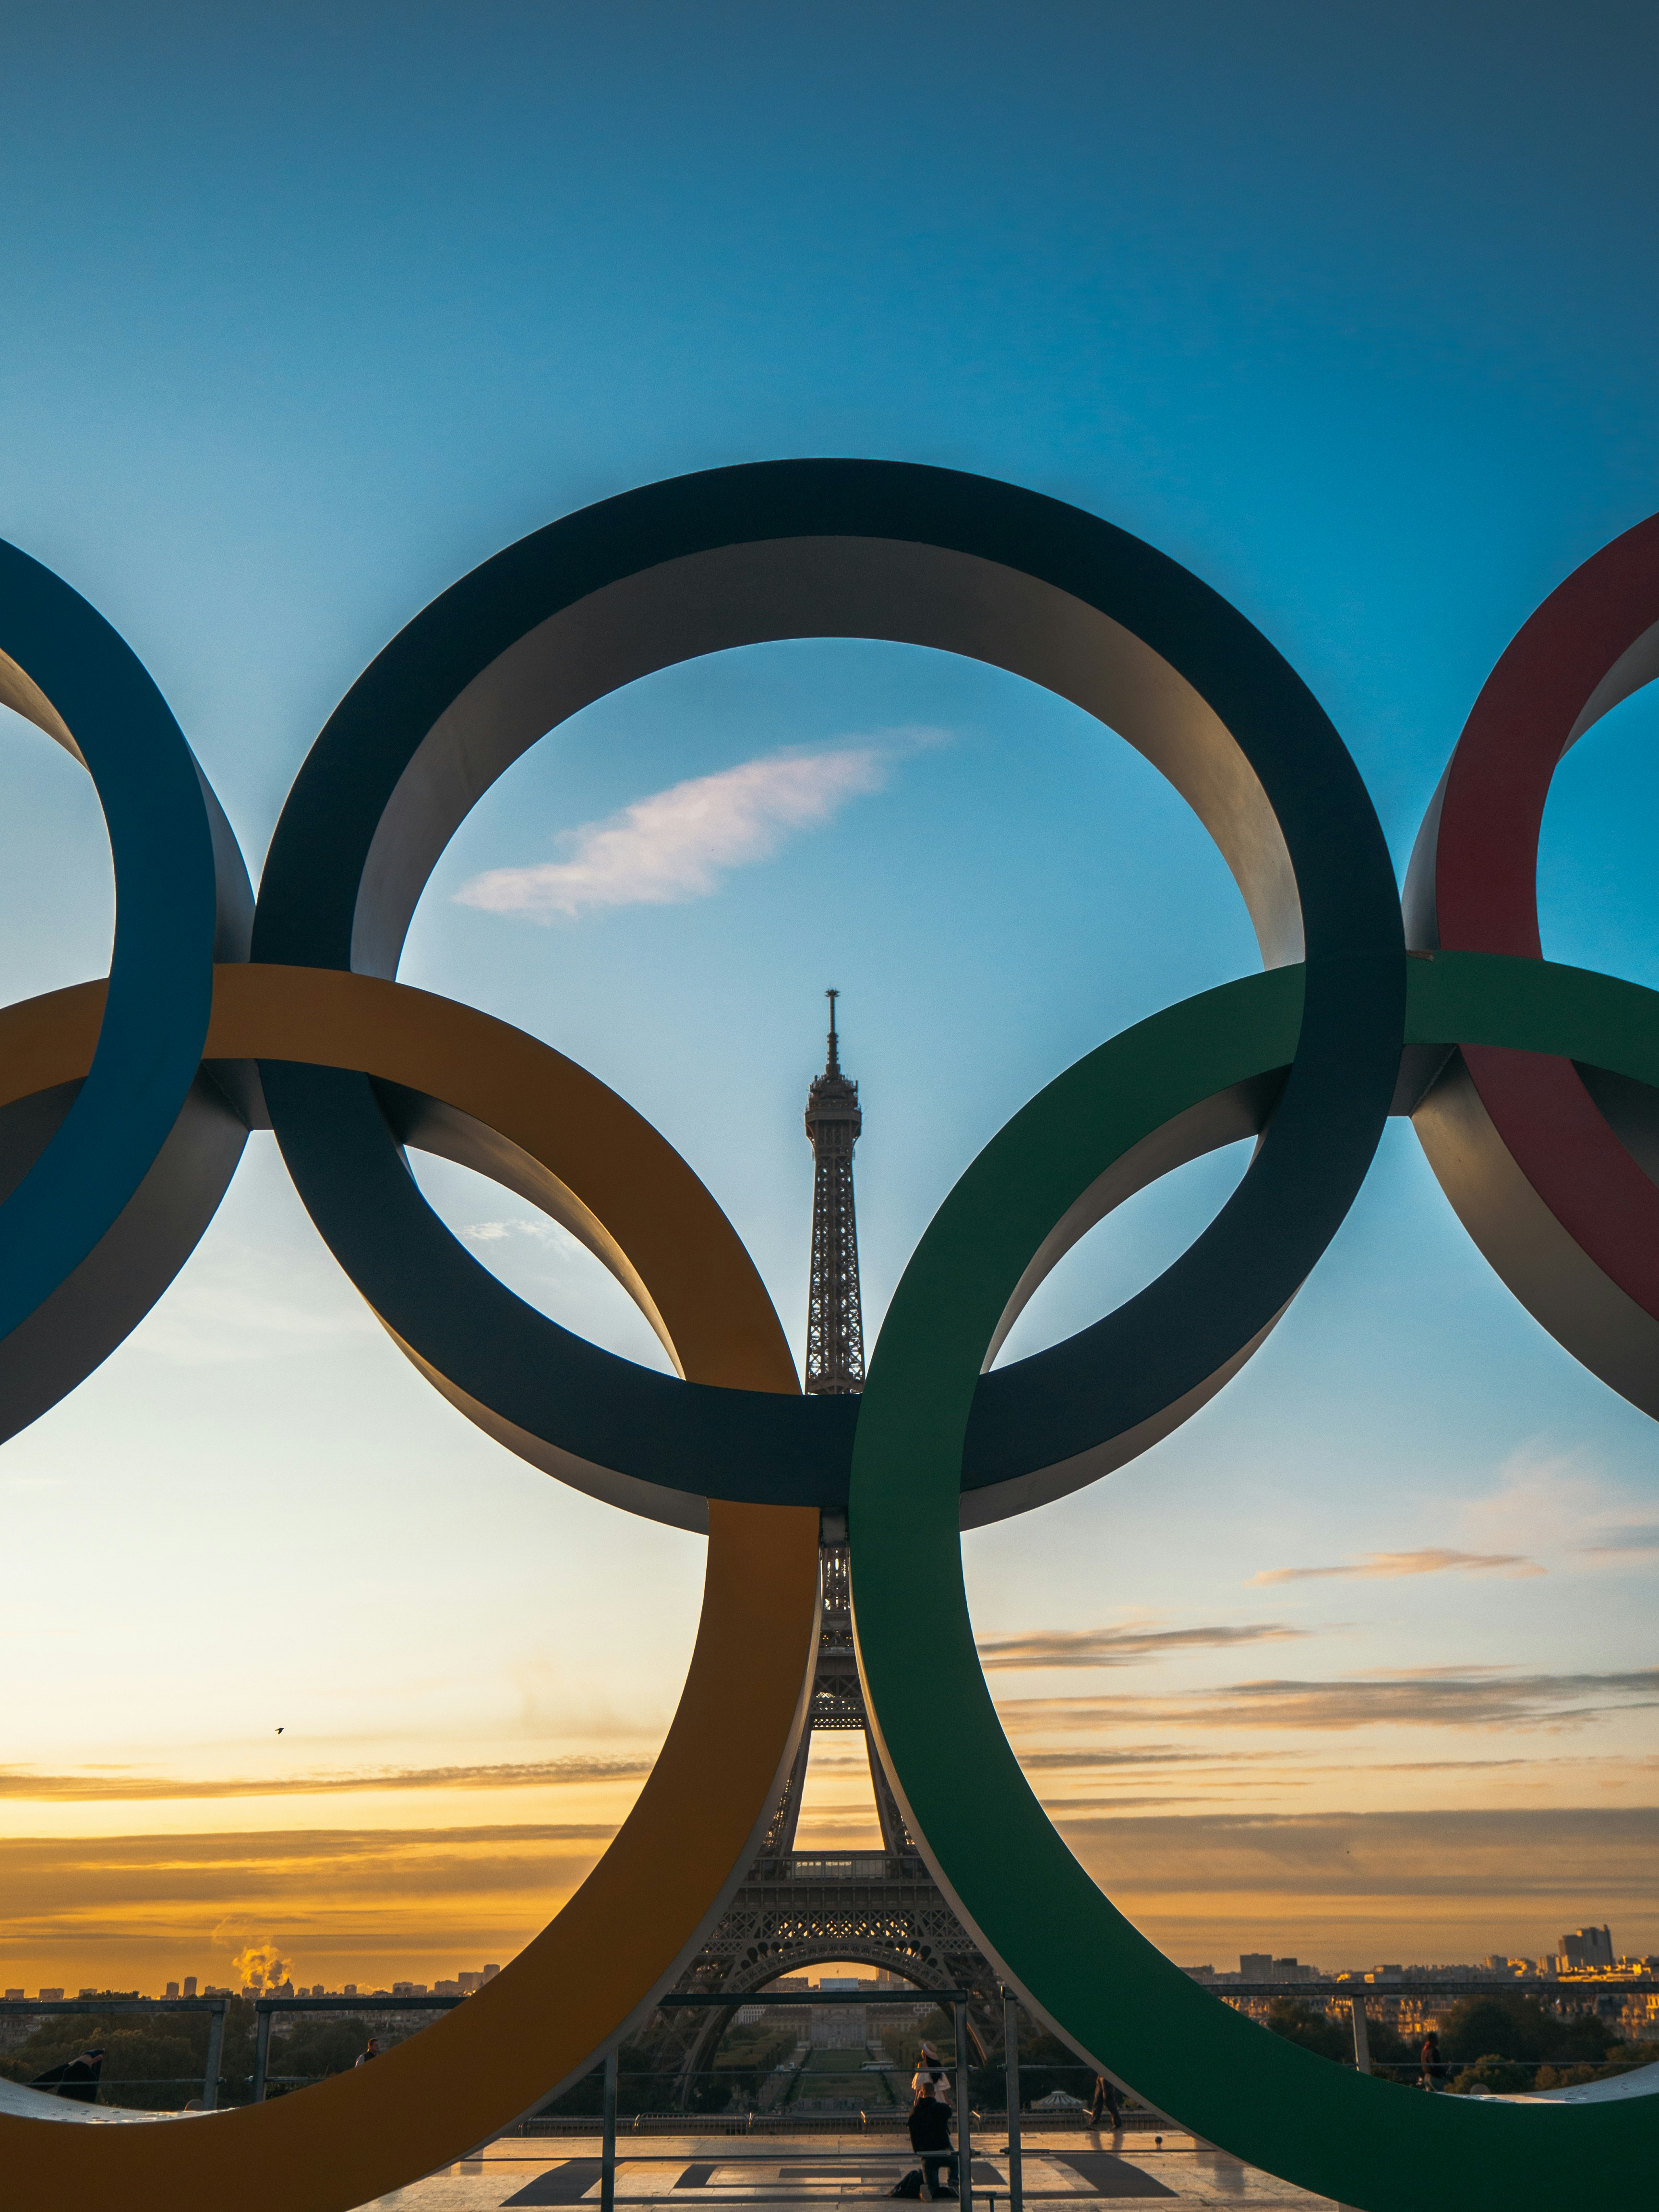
(793, 1909)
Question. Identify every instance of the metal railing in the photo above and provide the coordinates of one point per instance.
(265, 2008)
(1431, 1985)
(957, 2000)
(103, 2008)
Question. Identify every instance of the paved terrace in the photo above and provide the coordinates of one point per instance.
(1076, 2168)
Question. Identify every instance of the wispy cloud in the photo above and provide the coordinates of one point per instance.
(1120, 1647)
(1452, 1697)
(1432, 1560)
(1157, 1754)
(1563, 1507)
(678, 844)
(104, 1784)
(494, 1232)
(1641, 1536)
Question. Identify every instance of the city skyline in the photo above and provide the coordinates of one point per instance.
(1359, 1663)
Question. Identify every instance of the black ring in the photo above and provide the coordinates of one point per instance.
(864, 549)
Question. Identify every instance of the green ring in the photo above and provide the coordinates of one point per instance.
(1040, 1918)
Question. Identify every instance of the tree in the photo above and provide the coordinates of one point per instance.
(1313, 2031)
(1516, 2026)
(316, 2048)
(1498, 2077)
(152, 2063)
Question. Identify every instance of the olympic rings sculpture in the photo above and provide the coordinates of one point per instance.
(125, 1106)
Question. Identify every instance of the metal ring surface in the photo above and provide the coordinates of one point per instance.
(841, 549)
(1077, 1960)
(1552, 1173)
(137, 1140)
(602, 1960)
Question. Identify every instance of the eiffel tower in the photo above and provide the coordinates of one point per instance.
(793, 1909)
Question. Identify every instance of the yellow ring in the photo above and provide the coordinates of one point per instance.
(600, 1962)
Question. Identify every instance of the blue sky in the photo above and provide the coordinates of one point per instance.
(1351, 311)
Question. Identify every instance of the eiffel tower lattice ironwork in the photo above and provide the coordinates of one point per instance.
(793, 1909)
(835, 1318)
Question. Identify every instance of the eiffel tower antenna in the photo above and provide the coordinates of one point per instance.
(835, 1318)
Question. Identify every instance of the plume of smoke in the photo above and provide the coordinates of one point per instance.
(262, 1964)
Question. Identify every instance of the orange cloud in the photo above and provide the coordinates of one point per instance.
(1433, 1560)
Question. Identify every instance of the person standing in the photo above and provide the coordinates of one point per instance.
(1433, 2064)
(930, 2069)
(370, 2049)
(930, 2139)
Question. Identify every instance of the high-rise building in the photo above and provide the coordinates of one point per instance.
(1256, 1966)
(172, 1988)
(1587, 1947)
(190, 1985)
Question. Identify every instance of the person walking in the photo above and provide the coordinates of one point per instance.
(930, 2139)
(1432, 2065)
(1108, 2105)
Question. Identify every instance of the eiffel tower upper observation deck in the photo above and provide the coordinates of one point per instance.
(795, 1909)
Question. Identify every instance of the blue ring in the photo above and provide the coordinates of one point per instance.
(181, 893)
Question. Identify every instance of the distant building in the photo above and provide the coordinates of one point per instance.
(349, 1990)
(86, 1993)
(1587, 1947)
(468, 1983)
(1256, 1966)
(52, 1997)
(490, 1973)
(409, 1988)
(14, 1997)
(445, 1988)
(190, 1985)
(171, 1988)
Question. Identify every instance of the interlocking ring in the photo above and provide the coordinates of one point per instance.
(107, 1180)
(1477, 1035)
(1552, 1169)
(841, 549)
(620, 1940)
(1036, 1912)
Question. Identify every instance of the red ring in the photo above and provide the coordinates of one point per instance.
(1473, 887)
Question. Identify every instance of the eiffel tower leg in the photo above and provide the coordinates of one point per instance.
(895, 1836)
(779, 1838)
